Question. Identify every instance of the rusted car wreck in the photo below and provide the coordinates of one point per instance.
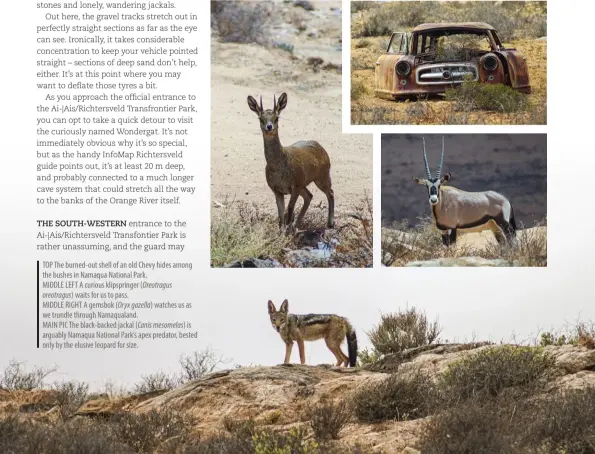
(434, 57)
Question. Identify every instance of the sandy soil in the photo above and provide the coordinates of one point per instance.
(313, 111)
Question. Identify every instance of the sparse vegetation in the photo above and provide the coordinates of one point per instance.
(70, 395)
(513, 20)
(144, 432)
(395, 397)
(486, 373)
(491, 400)
(193, 366)
(471, 95)
(402, 330)
(241, 22)
(16, 376)
(402, 244)
(241, 231)
(519, 24)
(327, 418)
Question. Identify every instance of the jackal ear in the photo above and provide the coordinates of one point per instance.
(284, 306)
(282, 103)
(446, 177)
(254, 107)
(419, 180)
(272, 307)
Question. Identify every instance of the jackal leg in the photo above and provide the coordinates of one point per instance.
(345, 357)
(335, 350)
(288, 348)
(300, 343)
(307, 196)
(280, 198)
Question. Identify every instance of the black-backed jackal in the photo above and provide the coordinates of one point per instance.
(310, 327)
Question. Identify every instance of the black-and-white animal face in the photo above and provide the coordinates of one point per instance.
(269, 118)
(433, 186)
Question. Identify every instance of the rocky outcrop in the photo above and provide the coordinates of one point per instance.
(278, 397)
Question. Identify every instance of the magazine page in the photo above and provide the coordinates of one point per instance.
(388, 169)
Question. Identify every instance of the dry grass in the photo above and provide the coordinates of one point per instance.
(241, 231)
(367, 109)
(402, 244)
(513, 19)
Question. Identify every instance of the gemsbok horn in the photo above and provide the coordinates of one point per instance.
(291, 169)
(454, 209)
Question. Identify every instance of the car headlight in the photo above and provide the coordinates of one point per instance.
(490, 62)
(403, 68)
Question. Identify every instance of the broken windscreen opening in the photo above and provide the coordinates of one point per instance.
(399, 43)
(452, 46)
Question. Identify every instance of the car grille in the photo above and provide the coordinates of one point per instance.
(445, 73)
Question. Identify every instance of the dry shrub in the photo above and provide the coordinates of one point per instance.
(513, 20)
(471, 95)
(198, 364)
(486, 373)
(156, 381)
(358, 89)
(563, 422)
(395, 397)
(327, 418)
(70, 396)
(144, 432)
(240, 427)
(402, 330)
(241, 21)
(558, 423)
(16, 377)
(577, 334)
(402, 244)
(240, 230)
(76, 436)
(529, 248)
(473, 427)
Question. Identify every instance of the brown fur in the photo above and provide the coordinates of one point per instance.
(291, 169)
(299, 328)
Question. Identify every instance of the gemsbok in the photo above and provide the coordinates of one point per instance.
(454, 209)
(289, 170)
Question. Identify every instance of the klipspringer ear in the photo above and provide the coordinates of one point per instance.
(254, 107)
(272, 307)
(284, 306)
(282, 103)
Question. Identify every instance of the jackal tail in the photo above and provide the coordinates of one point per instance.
(351, 345)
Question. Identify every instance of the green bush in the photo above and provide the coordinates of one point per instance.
(488, 372)
(402, 330)
(471, 95)
(395, 397)
(294, 442)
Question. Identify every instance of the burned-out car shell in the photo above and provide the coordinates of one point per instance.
(416, 69)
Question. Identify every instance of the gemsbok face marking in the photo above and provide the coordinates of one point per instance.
(454, 209)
